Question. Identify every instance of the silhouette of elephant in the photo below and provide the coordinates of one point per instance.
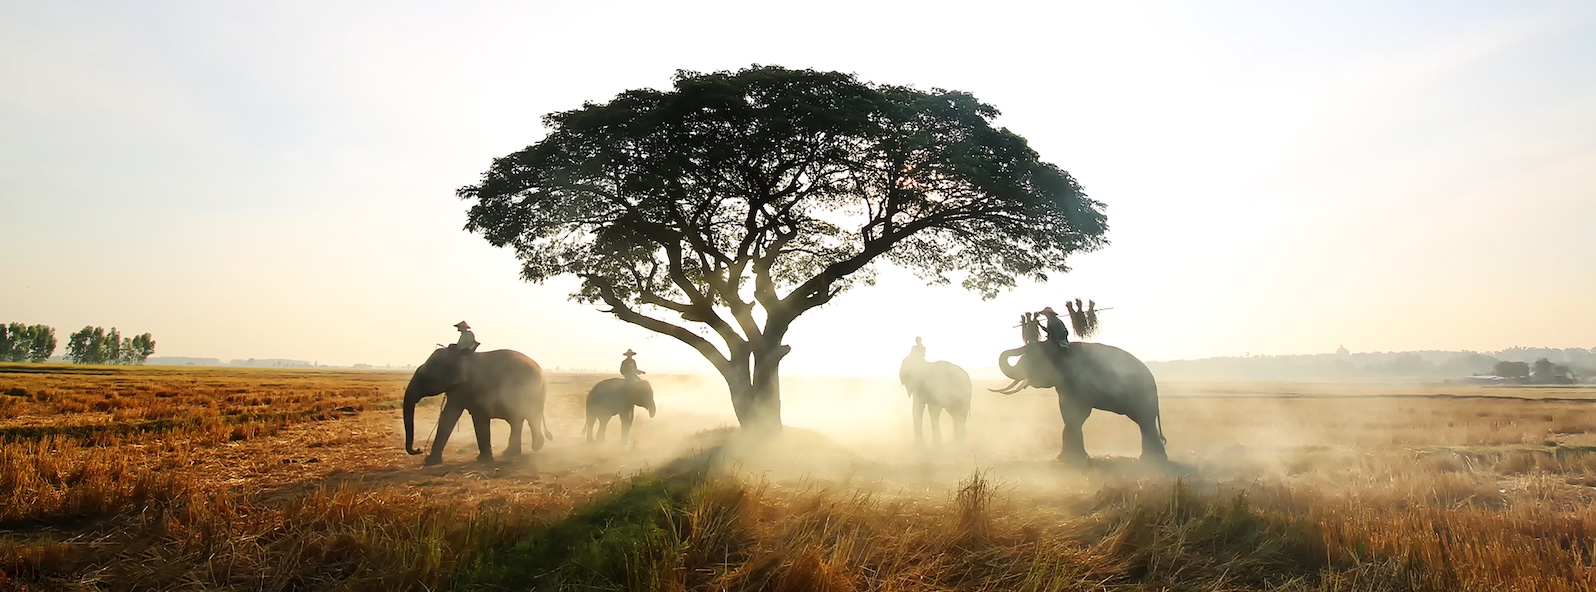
(616, 396)
(1089, 376)
(934, 387)
(499, 384)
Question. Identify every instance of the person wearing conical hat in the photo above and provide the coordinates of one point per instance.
(629, 366)
(468, 340)
(1057, 333)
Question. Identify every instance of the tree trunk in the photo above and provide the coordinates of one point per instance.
(756, 394)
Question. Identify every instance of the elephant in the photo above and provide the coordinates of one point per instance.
(499, 384)
(616, 396)
(935, 387)
(1089, 376)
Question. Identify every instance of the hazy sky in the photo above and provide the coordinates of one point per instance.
(276, 179)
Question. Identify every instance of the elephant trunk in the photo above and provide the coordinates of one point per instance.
(1010, 370)
(642, 395)
(412, 396)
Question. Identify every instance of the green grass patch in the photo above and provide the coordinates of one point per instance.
(616, 543)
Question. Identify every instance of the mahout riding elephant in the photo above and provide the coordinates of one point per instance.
(616, 396)
(1089, 376)
(935, 387)
(499, 384)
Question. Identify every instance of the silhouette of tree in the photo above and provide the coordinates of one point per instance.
(1545, 371)
(41, 343)
(14, 339)
(140, 349)
(1511, 369)
(740, 200)
(109, 345)
(13, 342)
(78, 350)
(26, 343)
(95, 345)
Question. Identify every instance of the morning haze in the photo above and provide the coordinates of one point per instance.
(278, 181)
(1315, 313)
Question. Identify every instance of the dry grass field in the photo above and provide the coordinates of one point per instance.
(249, 479)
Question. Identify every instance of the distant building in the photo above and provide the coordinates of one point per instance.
(1342, 351)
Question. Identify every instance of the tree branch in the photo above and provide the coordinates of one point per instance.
(623, 312)
(818, 289)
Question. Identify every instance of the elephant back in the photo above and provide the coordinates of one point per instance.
(506, 364)
(940, 379)
(616, 388)
(952, 375)
(1096, 367)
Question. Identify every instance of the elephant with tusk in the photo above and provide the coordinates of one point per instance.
(1089, 376)
(500, 384)
(616, 396)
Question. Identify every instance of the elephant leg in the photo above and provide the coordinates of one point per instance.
(935, 412)
(446, 420)
(515, 437)
(626, 426)
(535, 423)
(1152, 441)
(603, 424)
(1075, 414)
(587, 428)
(483, 426)
(919, 409)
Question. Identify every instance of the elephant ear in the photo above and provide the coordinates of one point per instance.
(1040, 365)
(460, 375)
(447, 367)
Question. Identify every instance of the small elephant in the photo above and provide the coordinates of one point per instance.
(616, 396)
(500, 384)
(934, 387)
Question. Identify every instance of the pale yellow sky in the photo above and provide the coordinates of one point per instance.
(276, 179)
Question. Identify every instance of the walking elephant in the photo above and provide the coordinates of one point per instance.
(1089, 376)
(500, 384)
(616, 396)
(935, 387)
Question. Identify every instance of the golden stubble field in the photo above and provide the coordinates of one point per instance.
(252, 479)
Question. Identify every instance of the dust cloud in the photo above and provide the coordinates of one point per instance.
(858, 432)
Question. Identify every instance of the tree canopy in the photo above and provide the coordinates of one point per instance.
(95, 345)
(740, 200)
(26, 343)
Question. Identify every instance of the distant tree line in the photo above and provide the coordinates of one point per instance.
(1530, 365)
(26, 343)
(1544, 371)
(95, 345)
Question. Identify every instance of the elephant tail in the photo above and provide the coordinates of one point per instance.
(1158, 422)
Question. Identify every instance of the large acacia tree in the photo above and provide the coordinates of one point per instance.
(736, 201)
